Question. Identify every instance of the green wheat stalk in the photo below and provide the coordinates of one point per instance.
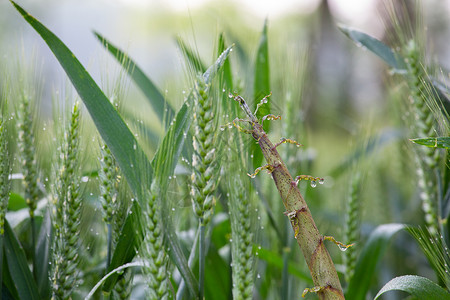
(29, 167)
(113, 193)
(352, 225)
(242, 232)
(5, 170)
(153, 250)
(423, 126)
(67, 217)
(205, 168)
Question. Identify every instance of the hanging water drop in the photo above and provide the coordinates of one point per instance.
(342, 248)
(313, 183)
(321, 181)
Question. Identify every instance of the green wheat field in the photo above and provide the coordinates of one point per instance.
(263, 169)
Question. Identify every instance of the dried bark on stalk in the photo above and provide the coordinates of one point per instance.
(311, 242)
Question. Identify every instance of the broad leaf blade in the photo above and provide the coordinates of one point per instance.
(151, 92)
(371, 254)
(18, 266)
(417, 286)
(437, 142)
(375, 46)
(110, 125)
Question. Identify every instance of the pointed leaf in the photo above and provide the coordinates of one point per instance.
(368, 260)
(127, 245)
(227, 74)
(43, 257)
(18, 266)
(375, 46)
(109, 123)
(151, 92)
(417, 286)
(437, 142)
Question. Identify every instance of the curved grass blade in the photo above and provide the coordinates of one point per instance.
(43, 257)
(127, 245)
(433, 142)
(192, 58)
(151, 92)
(113, 130)
(227, 74)
(375, 46)
(417, 286)
(18, 266)
(370, 256)
(109, 123)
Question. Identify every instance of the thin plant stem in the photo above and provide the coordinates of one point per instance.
(201, 261)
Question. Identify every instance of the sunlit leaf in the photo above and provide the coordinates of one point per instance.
(437, 142)
(369, 258)
(18, 266)
(161, 107)
(375, 46)
(420, 287)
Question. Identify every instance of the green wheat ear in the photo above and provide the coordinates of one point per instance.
(205, 168)
(242, 232)
(27, 150)
(5, 170)
(114, 192)
(68, 210)
(153, 245)
(423, 126)
(352, 225)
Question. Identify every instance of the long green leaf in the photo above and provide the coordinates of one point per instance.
(227, 74)
(151, 92)
(127, 245)
(117, 136)
(261, 88)
(43, 256)
(371, 254)
(433, 142)
(120, 140)
(18, 266)
(420, 287)
(375, 46)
